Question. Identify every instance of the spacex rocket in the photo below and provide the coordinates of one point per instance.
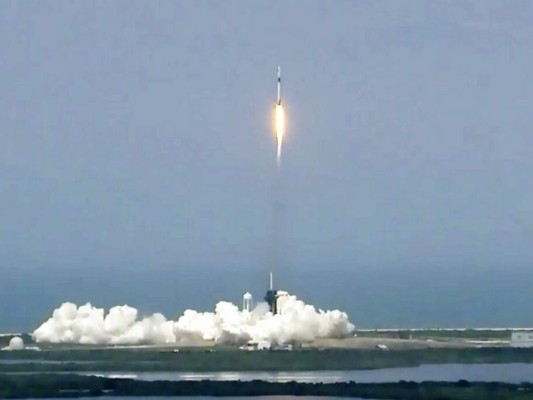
(279, 118)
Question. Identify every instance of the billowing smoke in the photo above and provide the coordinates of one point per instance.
(297, 322)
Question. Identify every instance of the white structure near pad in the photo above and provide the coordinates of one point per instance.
(522, 339)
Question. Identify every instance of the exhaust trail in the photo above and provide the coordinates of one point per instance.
(276, 204)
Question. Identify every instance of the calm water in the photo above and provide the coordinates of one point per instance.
(510, 373)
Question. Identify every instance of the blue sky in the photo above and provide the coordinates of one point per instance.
(136, 140)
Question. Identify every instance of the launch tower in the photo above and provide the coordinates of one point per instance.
(271, 296)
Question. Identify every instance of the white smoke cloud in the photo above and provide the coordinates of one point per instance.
(297, 322)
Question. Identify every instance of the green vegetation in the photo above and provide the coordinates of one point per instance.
(439, 334)
(62, 386)
(139, 360)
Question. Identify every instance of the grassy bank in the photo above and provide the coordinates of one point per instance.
(139, 360)
(439, 334)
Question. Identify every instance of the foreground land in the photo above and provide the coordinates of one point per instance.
(364, 339)
(368, 350)
(61, 386)
(210, 360)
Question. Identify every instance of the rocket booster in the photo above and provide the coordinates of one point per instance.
(279, 86)
(279, 118)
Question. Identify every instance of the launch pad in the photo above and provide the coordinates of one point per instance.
(275, 298)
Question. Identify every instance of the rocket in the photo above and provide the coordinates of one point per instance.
(279, 118)
(279, 86)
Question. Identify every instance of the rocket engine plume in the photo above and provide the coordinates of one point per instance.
(280, 127)
(279, 119)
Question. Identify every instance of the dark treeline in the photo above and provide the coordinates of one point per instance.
(62, 386)
(132, 360)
